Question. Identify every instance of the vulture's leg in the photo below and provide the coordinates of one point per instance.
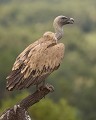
(43, 83)
(42, 86)
(37, 87)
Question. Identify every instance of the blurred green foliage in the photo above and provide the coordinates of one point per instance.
(24, 21)
(47, 109)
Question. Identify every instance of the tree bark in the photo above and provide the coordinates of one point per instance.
(19, 111)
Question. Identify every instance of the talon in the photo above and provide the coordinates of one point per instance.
(49, 87)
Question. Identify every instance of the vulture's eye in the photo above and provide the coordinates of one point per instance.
(64, 18)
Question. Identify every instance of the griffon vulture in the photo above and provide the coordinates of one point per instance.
(39, 59)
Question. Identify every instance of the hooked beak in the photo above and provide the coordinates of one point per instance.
(70, 21)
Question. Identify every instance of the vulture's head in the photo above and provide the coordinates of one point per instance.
(63, 20)
(59, 22)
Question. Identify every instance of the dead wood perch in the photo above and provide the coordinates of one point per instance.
(19, 111)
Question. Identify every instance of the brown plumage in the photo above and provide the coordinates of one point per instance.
(39, 59)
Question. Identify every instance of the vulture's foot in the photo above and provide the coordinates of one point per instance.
(48, 86)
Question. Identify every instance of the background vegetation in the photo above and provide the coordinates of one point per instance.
(24, 21)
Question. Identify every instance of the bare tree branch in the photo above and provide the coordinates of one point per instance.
(19, 111)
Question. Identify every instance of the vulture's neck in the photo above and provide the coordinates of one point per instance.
(58, 31)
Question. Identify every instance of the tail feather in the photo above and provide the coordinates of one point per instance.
(13, 79)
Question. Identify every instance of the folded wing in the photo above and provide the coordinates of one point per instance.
(34, 64)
